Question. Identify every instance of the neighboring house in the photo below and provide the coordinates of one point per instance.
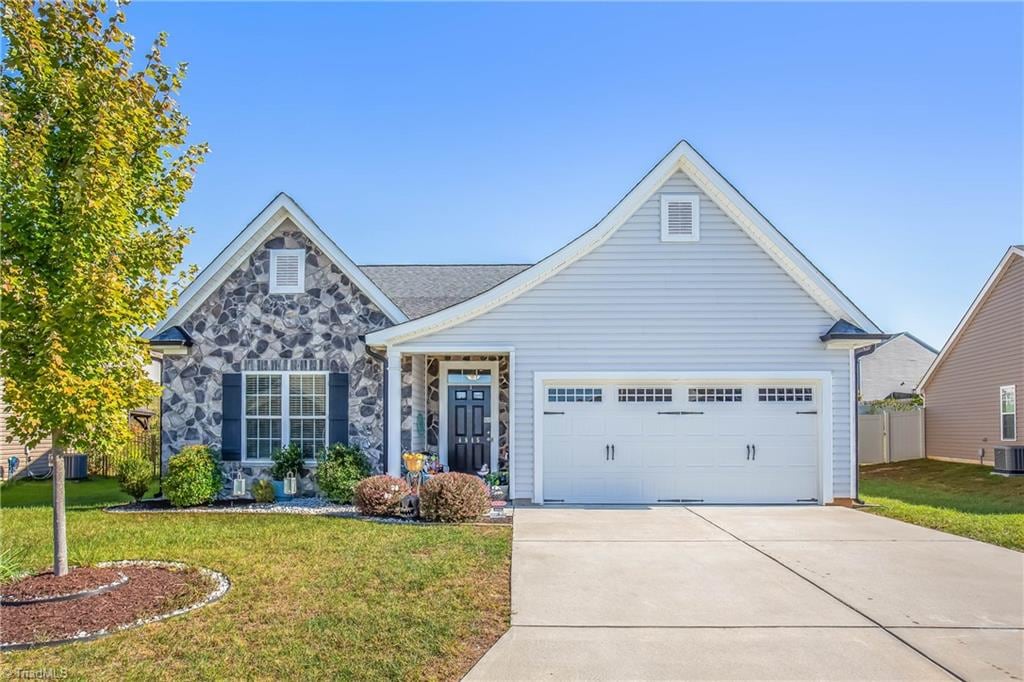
(22, 458)
(681, 349)
(893, 368)
(971, 390)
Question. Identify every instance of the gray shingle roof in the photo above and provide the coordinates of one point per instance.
(423, 289)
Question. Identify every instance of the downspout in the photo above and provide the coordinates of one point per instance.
(857, 355)
(384, 361)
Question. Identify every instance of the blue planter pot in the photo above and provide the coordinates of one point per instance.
(279, 490)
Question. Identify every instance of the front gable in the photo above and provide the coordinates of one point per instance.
(722, 214)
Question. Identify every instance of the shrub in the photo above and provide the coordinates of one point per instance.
(454, 497)
(339, 468)
(134, 475)
(286, 460)
(381, 495)
(263, 491)
(193, 477)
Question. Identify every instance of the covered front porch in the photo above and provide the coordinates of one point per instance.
(452, 403)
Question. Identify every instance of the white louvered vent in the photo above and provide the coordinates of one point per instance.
(287, 271)
(680, 217)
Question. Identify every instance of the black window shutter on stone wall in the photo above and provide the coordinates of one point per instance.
(231, 418)
(337, 411)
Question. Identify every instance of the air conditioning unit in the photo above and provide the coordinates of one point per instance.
(1009, 460)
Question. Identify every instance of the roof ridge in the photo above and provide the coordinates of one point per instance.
(442, 265)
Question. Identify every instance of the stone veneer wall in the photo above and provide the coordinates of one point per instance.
(242, 328)
(434, 403)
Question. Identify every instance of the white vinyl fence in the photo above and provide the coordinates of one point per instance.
(890, 436)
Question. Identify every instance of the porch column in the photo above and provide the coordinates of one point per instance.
(394, 412)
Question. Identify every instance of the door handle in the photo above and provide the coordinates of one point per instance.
(748, 451)
(753, 451)
(606, 451)
(613, 452)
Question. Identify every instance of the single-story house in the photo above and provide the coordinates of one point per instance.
(893, 368)
(682, 349)
(971, 389)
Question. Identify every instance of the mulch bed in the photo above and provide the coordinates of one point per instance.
(151, 592)
(46, 586)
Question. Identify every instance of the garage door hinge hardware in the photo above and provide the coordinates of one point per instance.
(680, 412)
(546, 412)
(807, 412)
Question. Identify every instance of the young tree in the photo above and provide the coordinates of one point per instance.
(93, 168)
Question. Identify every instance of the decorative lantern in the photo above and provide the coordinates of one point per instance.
(238, 484)
(291, 484)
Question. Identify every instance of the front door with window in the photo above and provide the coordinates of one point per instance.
(469, 427)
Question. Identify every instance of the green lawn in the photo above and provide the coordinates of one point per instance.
(94, 492)
(311, 597)
(964, 499)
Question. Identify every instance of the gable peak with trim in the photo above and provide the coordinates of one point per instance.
(683, 158)
(281, 209)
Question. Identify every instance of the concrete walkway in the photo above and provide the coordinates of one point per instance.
(786, 593)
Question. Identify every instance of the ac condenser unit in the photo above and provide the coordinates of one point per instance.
(1009, 460)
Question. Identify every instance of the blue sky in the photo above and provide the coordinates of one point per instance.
(884, 140)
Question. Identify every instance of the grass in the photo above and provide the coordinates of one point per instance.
(311, 597)
(963, 499)
(91, 493)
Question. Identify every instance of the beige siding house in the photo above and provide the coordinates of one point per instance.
(972, 391)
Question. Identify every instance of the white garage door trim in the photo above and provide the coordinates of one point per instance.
(825, 417)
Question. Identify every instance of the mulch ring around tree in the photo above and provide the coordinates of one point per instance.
(101, 600)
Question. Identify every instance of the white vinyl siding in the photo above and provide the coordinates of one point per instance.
(636, 303)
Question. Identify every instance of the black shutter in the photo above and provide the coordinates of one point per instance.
(337, 410)
(231, 418)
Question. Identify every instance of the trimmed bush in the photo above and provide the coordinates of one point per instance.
(339, 469)
(263, 491)
(134, 475)
(454, 497)
(286, 460)
(193, 477)
(381, 495)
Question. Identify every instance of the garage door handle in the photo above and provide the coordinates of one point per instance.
(807, 412)
(613, 452)
(606, 452)
(753, 449)
(748, 452)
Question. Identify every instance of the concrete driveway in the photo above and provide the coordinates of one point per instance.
(754, 593)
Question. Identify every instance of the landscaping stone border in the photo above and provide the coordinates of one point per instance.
(221, 587)
(70, 595)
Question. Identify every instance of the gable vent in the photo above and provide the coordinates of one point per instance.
(680, 217)
(287, 271)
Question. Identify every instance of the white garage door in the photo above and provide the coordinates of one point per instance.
(681, 442)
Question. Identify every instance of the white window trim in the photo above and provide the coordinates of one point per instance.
(278, 289)
(286, 431)
(1012, 390)
(694, 201)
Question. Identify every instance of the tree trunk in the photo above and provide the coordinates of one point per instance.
(60, 536)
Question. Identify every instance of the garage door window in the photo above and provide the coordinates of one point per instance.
(645, 395)
(715, 395)
(574, 395)
(785, 394)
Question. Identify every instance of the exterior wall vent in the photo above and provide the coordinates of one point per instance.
(287, 271)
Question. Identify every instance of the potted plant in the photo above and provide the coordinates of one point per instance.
(287, 460)
(497, 483)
